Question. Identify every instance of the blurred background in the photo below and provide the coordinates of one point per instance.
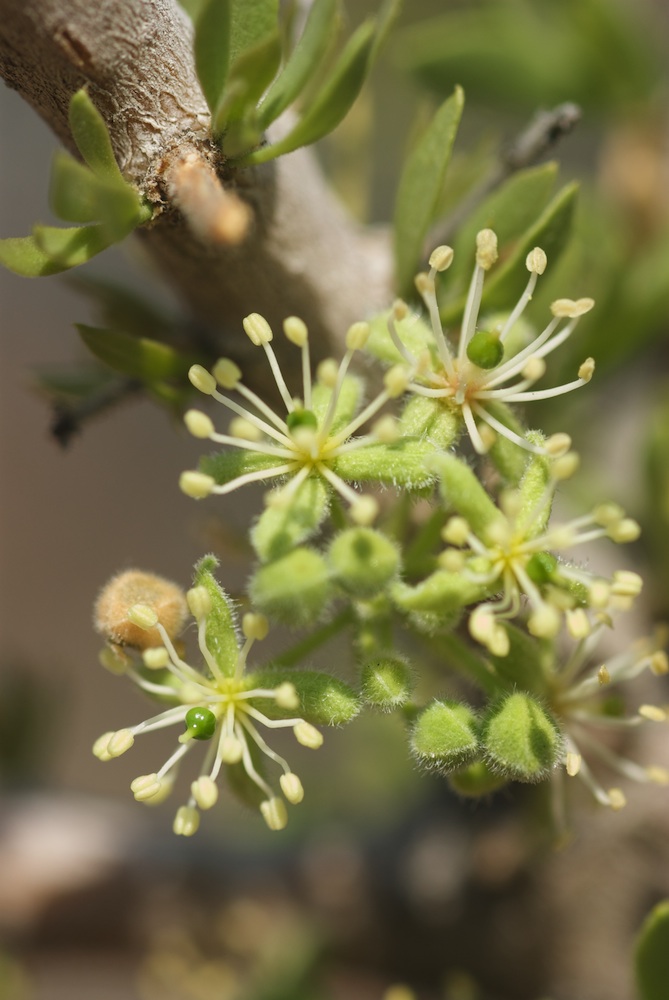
(383, 877)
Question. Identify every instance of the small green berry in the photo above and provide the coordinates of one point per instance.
(200, 723)
(485, 350)
(541, 567)
(302, 418)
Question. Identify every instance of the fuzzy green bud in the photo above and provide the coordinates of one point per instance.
(363, 561)
(446, 735)
(294, 589)
(520, 738)
(386, 683)
(485, 350)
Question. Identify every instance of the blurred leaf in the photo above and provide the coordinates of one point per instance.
(91, 136)
(652, 954)
(23, 255)
(420, 186)
(136, 357)
(250, 74)
(79, 195)
(122, 309)
(51, 250)
(251, 22)
(331, 102)
(304, 60)
(279, 529)
(211, 46)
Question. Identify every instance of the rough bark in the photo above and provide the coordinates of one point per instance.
(301, 255)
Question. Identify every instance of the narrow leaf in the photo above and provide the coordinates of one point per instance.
(304, 61)
(212, 49)
(251, 21)
(71, 247)
(250, 74)
(79, 195)
(332, 101)
(92, 136)
(652, 954)
(24, 256)
(137, 357)
(420, 185)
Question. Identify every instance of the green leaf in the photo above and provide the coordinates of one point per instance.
(24, 256)
(79, 195)
(305, 60)
(651, 956)
(278, 529)
(420, 186)
(51, 250)
(402, 464)
(331, 102)
(91, 136)
(252, 20)
(237, 116)
(324, 699)
(137, 357)
(221, 635)
(211, 46)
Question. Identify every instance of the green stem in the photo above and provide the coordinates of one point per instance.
(292, 656)
(420, 554)
(461, 658)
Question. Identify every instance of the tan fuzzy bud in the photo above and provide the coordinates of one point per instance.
(129, 589)
(227, 373)
(257, 329)
(291, 786)
(486, 249)
(202, 379)
(536, 261)
(441, 258)
(357, 336)
(198, 424)
(296, 331)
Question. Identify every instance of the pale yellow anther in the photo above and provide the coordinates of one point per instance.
(327, 372)
(145, 787)
(255, 626)
(599, 593)
(535, 368)
(143, 616)
(274, 813)
(291, 786)
(202, 379)
(190, 694)
(205, 792)
(357, 336)
(488, 632)
(424, 283)
(231, 750)
(617, 798)
(573, 764)
(499, 642)
(257, 329)
(544, 623)
(308, 735)
(100, 746)
(155, 658)
(578, 623)
(400, 309)
(606, 514)
(441, 258)
(186, 821)
(396, 381)
(112, 662)
(571, 308)
(562, 536)
(603, 675)
(587, 369)
(659, 663)
(227, 373)
(199, 424)
(653, 713)
(627, 530)
(244, 429)
(486, 248)
(536, 261)
(120, 742)
(199, 602)
(296, 331)
(196, 484)
(488, 437)
(386, 429)
(625, 583)
(452, 560)
(364, 511)
(658, 775)
(558, 445)
(286, 696)
(456, 531)
(565, 466)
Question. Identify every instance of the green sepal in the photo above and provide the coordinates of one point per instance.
(348, 402)
(463, 492)
(221, 633)
(420, 186)
(79, 195)
(280, 529)
(363, 561)
(211, 47)
(136, 357)
(445, 735)
(304, 62)
(508, 458)
(524, 665)
(387, 683)
(442, 591)
(651, 954)
(331, 102)
(324, 699)
(520, 738)
(91, 137)
(413, 331)
(475, 779)
(293, 590)
(403, 463)
(225, 466)
(432, 419)
(534, 512)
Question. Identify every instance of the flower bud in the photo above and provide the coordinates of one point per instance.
(165, 601)
(520, 738)
(446, 735)
(363, 561)
(386, 683)
(294, 589)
